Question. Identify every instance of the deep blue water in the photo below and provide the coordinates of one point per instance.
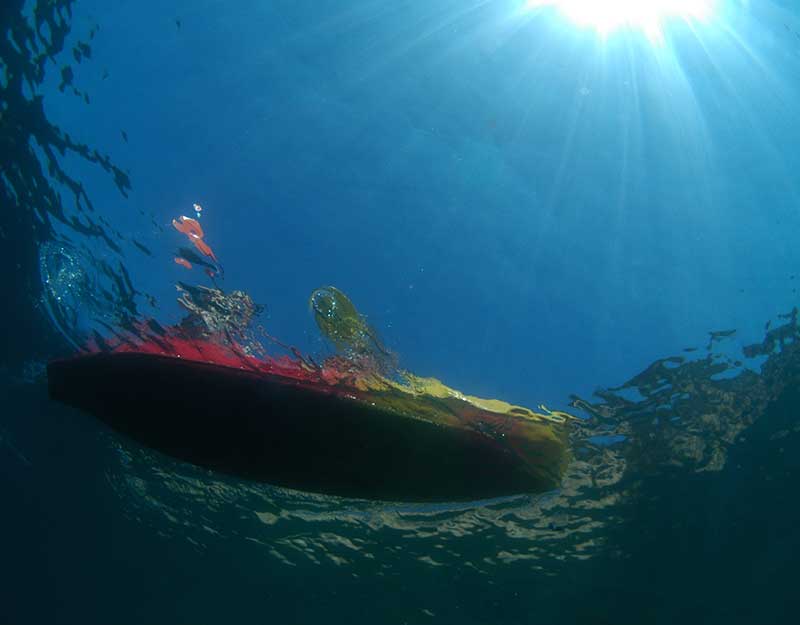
(522, 207)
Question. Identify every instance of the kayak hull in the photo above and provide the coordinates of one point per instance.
(276, 430)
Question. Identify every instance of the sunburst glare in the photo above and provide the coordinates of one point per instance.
(648, 16)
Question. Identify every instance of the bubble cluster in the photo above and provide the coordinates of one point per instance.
(66, 288)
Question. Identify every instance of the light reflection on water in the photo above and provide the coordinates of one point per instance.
(705, 417)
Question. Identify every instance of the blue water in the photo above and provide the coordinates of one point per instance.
(522, 208)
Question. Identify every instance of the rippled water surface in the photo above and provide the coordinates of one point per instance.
(579, 213)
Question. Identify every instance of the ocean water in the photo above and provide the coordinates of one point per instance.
(525, 202)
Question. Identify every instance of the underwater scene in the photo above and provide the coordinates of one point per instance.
(444, 311)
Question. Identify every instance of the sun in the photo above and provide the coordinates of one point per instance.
(648, 16)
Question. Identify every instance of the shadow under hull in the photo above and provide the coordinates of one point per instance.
(267, 428)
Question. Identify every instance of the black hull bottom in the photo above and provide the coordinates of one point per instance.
(260, 428)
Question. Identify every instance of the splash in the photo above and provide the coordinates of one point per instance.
(88, 299)
(340, 323)
(67, 287)
(219, 317)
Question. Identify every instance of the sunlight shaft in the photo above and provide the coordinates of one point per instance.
(606, 16)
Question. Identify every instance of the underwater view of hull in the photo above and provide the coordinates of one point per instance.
(281, 431)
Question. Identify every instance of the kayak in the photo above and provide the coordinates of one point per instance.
(267, 425)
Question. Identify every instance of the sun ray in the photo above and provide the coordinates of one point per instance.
(646, 16)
